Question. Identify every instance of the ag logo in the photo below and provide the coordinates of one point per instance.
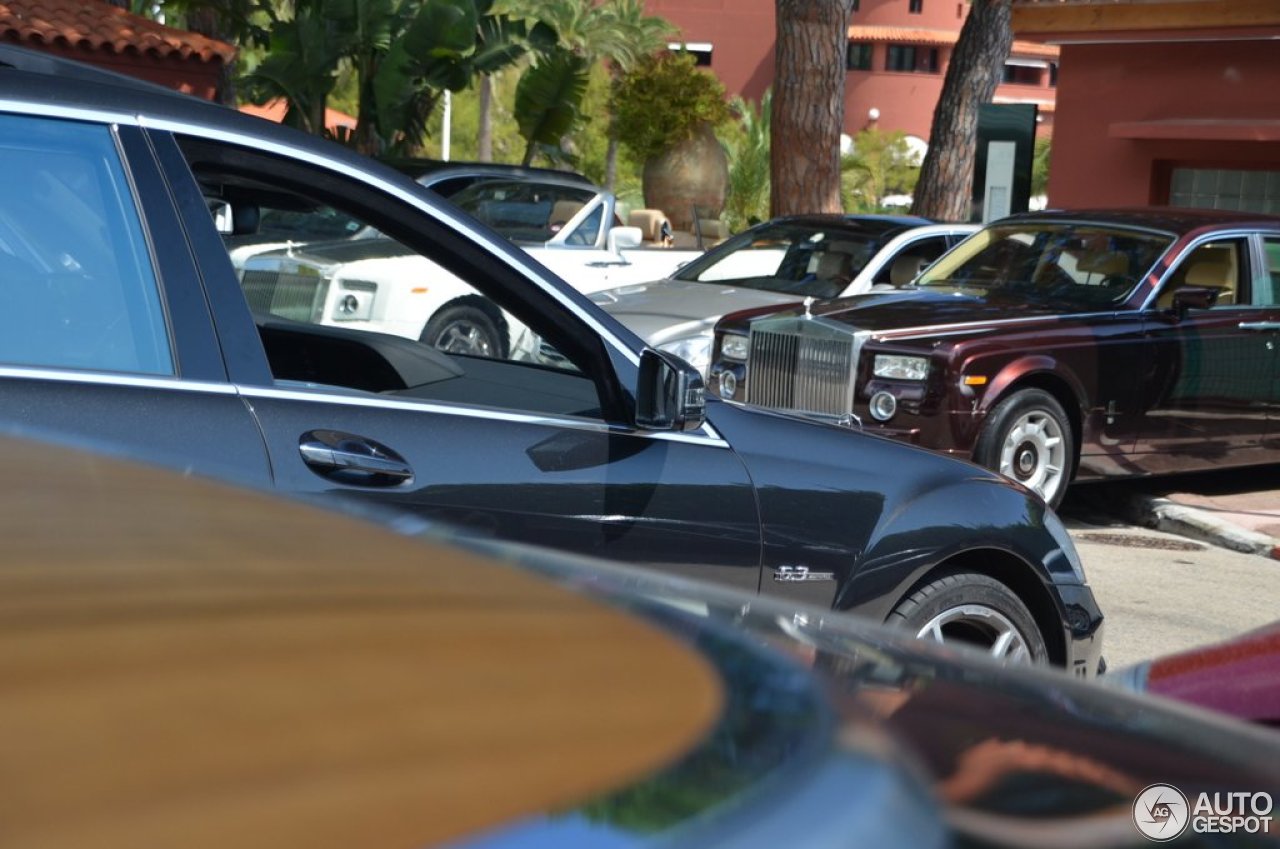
(1161, 812)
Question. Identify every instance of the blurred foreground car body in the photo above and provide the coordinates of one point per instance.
(1239, 677)
(185, 664)
(129, 328)
(1050, 346)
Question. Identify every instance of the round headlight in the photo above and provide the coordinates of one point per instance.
(728, 384)
(883, 406)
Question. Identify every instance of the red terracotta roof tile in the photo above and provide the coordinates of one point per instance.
(937, 37)
(96, 25)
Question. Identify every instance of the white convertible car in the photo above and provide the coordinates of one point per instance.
(314, 266)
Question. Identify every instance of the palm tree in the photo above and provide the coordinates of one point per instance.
(404, 55)
(748, 199)
(615, 31)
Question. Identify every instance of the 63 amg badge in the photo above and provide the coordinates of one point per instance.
(1161, 812)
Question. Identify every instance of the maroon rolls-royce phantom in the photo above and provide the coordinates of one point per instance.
(1049, 346)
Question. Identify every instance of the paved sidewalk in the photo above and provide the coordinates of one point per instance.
(1239, 511)
(1241, 521)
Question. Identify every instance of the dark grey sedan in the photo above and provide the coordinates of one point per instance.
(127, 326)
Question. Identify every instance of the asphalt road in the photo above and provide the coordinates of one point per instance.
(1162, 593)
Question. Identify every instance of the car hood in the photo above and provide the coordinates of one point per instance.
(666, 309)
(910, 309)
(339, 251)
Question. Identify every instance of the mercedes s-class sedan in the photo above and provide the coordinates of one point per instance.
(128, 326)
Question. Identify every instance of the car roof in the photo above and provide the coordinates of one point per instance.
(866, 225)
(1167, 219)
(428, 171)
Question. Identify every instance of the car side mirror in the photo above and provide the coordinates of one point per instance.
(624, 237)
(239, 219)
(671, 394)
(1194, 298)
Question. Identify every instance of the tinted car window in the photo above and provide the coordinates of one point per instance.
(76, 272)
(374, 314)
(523, 211)
(1268, 288)
(792, 258)
(1082, 265)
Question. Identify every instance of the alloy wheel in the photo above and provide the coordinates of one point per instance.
(981, 626)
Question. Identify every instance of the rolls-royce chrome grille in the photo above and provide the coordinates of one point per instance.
(295, 295)
(802, 364)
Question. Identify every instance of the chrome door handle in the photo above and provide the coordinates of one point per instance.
(1262, 326)
(353, 459)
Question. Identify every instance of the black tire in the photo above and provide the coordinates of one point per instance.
(464, 329)
(1028, 438)
(974, 610)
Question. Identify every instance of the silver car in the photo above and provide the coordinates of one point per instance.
(779, 262)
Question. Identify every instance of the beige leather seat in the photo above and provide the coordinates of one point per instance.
(1103, 264)
(561, 212)
(836, 266)
(906, 268)
(650, 222)
(1213, 267)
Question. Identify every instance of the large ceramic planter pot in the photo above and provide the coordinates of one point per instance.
(692, 173)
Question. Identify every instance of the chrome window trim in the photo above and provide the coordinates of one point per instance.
(709, 437)
(97, 378)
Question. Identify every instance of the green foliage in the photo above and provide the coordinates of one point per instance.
(662, 100)
(881, 164)
(547, 99)
(747, 143)
(301, 64)
(402, 54)
(1040, 165)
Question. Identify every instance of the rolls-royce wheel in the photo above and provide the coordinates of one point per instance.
(1028, 438)
(463, 329)
(974, 610)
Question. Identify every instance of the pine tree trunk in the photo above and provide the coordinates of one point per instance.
(945, 188)
(484, 140)
(808, 105)
(207, 22)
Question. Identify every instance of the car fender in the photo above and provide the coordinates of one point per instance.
(1014, 373)
(991, 526)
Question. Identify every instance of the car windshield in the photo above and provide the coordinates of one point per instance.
(1084, 265)
(798, 259)
(523, 210)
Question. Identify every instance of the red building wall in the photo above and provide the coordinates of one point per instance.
(1216, 104)
(743, 34)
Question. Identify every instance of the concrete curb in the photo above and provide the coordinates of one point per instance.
(1166, 515)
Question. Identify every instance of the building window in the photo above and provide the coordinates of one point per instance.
(699, 50)
(910, 58)
(1021, 75)
(858, 57)
(1053, 74)
(915, 7)
(1220, 188)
